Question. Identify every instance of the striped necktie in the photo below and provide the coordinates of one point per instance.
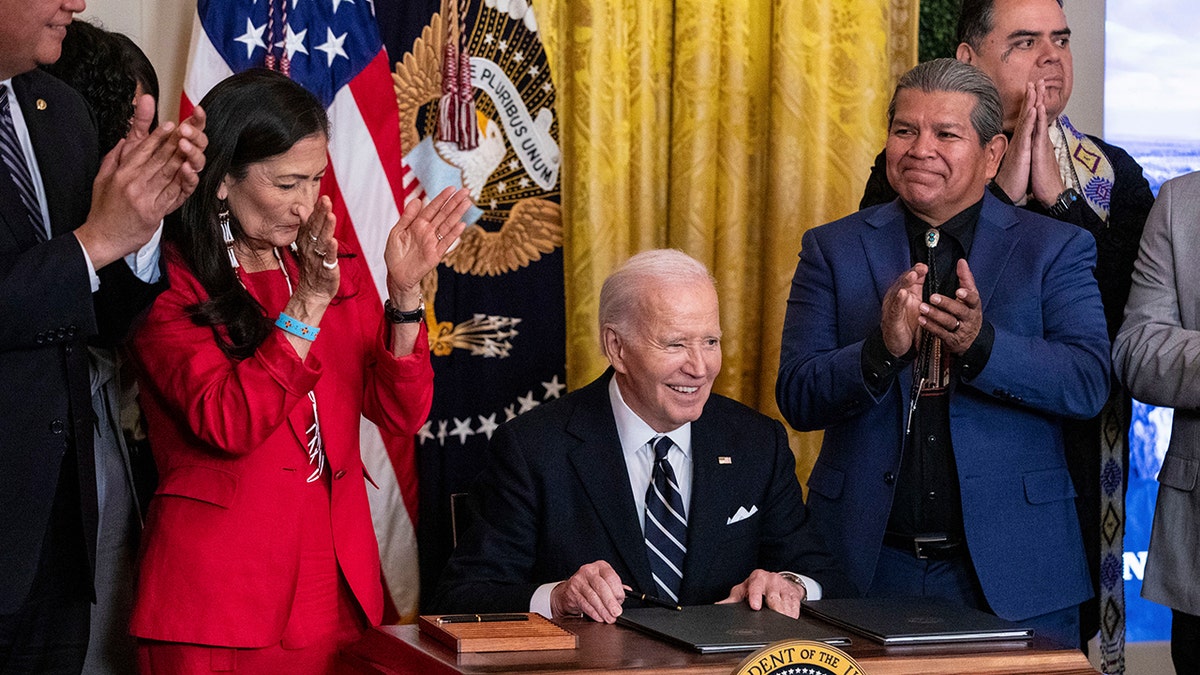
(666, 524)
(13, 159)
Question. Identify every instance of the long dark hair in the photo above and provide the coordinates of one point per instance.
(252, 116)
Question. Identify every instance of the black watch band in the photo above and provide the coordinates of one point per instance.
(396, 316)
(1062, 205)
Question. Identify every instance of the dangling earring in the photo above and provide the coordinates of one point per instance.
(227, 233)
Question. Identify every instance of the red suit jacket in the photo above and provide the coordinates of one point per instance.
(221, 547)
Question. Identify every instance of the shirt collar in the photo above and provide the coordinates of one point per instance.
(961, 227)
(633, 431)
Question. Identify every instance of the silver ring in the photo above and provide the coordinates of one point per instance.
(439, 236)
(328, 265)
(957, 323)
(313, 237)
(320, 253)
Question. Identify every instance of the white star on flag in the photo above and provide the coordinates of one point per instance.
(527, 403)
(553, 388)
(487, 425)
(338, 2)
(333, 46)
(425, 433)
(252, 37)
(293, 42)
(462, 429)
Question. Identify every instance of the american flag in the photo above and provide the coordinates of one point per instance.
(332, 47)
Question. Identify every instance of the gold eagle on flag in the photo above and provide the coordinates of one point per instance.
(533, 226)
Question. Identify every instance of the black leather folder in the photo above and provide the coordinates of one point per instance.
(727, 628)
(910, 621)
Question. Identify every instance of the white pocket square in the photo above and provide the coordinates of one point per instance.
(742, 514)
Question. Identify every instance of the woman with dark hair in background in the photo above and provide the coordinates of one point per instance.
(255, 367)
(110, 72)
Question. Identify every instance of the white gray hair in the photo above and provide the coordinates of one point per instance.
(621, 294)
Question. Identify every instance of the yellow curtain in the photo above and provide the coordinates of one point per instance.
(723, 128)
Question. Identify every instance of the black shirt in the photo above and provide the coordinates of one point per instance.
(927, 498)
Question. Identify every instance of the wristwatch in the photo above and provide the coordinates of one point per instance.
(1062, 205)
(397, 316)
(795, 579)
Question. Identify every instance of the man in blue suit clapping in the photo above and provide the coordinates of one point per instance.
(940, 340)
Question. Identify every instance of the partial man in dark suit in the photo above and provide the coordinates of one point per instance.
(1053, 169)
(78, 261)
(940, 340)
(642, 479)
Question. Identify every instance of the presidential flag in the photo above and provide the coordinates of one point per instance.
(333, 48)
(477, 111)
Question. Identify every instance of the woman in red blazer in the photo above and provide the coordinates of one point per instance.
(258, 554)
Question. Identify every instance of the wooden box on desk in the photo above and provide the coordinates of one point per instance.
(491, 633)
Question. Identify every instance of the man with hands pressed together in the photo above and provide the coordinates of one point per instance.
(78, 261)
(939, 340)
(643, 479)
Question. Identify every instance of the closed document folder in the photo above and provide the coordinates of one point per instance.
(727, 628)
(909, 621)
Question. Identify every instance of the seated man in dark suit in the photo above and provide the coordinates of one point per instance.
(642, 479)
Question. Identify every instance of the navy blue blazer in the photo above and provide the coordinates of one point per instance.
(50, 317)
(555, 495)
(1049, 361)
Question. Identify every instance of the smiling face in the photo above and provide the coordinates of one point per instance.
(277, 194)
(667, 359)
(32, 31)
(934, 159)
(1030, 41)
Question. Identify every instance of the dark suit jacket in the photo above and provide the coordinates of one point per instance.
(1049, 360)
(555, 496)
(51, 315)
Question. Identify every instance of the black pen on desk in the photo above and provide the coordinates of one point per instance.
(481, 618)
(652, 600)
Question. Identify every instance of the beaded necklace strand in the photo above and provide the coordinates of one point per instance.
(316, 445)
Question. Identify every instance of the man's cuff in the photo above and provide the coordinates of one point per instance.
(879, 366)
(144, 262)
(540, 602)
(92, 276)
(976, 357)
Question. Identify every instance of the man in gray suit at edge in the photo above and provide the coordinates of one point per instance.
(1157, 356)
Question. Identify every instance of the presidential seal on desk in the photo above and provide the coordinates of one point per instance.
(798, 657)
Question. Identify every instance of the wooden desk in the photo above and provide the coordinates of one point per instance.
(604, 649)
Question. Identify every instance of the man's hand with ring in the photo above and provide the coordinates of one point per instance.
(956, 320)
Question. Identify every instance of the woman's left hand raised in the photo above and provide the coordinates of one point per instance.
(420, 238)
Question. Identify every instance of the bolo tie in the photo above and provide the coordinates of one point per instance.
(928, 351)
